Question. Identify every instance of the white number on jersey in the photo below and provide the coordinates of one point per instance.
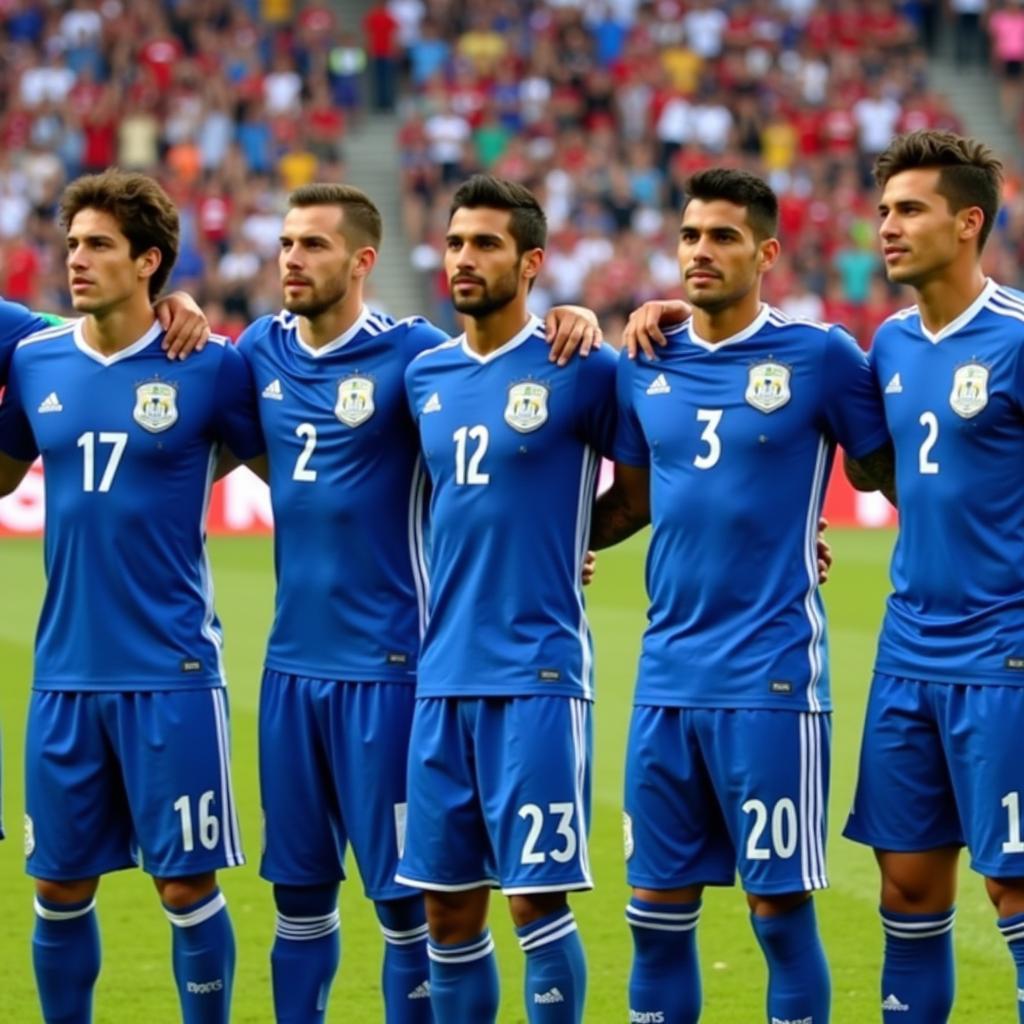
(209, 824)
(712, 417)
(1013, 842)
(306, 432)
(784, 831)
(531, 855)
(924, 463)
(469, 472)
(87, 442)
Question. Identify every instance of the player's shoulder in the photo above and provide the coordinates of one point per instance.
(1006, 302)
(28, 346)
(18, 322)
(415, 335)
(801, 328)
(264, 328)
(443, 352)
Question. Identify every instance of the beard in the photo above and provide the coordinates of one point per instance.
(318, 299)
(490, 298)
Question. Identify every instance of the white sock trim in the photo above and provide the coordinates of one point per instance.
(198, 916)
(48, 914)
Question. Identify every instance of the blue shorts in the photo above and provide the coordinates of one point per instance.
(332, 771)
(114, 780)
(499, 794)
(941, 765)
(711, 791)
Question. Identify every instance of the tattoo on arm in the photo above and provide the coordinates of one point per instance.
(874, 472)
(620, 511)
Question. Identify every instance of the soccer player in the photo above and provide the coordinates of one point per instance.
(499, 783)
(338, 688)
(940, 762)
(127, 739)
(725, 441)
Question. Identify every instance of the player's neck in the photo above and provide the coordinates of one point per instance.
(485, 335)
(332, 323)
(715, 325)
(942, 300)
(118, 328)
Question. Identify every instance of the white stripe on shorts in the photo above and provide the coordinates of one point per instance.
(229, 812)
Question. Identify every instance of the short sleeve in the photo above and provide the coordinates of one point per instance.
(852, 400)
(595, 392)
(630, 444)
(237, 422)
(16, 437)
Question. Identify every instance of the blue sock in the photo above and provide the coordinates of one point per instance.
(917, 975)
(556, 969)
(203, 954)
(664, 983)
(799, 987)
(1013, 931)
(66, 957)
(306, 952)
(405, 977)
(464, 981)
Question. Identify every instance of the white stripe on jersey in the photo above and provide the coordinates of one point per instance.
(1006, 305)
(450, 343)
(231, 833)
(777, 318)
(47, 333)
(208, 629)
(814, 615)
(901, 314)
(1009, 297)
(811, 824)
(417, 553)
(584, 507)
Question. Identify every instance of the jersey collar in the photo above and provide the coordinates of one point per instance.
(748, 332)
(531, 326)
(125, 353)
(964, 318)
(339, 342)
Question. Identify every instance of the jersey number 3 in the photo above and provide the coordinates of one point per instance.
(711, 418)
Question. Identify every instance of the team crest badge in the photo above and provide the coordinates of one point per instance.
(768, 386)
(627, 835)
(970, 390)
(527, 407)
(355, 401)
(30, 836)
(156, 406)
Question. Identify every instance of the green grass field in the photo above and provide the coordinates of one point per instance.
(135, 985)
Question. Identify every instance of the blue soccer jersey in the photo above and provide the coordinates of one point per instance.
(512, 444)
(17, 323)
(347, 494)
(740, 436)
(954, 402)
(129, 445)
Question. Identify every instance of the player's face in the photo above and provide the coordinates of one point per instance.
(920, 234)
(315, 262)
(485, 271)
(102, 273)
(720, 259)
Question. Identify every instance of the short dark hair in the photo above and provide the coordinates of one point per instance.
(361, 224)
(528, 224)
(143, 211)
(970, 174)
(742, 189)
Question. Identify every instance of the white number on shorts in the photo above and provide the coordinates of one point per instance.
(924, 463)
(468, 472)
(712, 417)
(784, 831)
(531, 855)
(209, 824)
(1013, 843)
(87, 442)
(302, 473)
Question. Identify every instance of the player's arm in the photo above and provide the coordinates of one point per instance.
(875, 471)
(571, 328)
(185, 325)
(12, 472)
(643, 328)
(623, 509)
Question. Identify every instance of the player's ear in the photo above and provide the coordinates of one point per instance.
(972, 220)
(364, 260)
(531, 262)
(768, 253)
(148, 262)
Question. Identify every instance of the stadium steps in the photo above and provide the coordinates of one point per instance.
(371, 161)
(973, 92)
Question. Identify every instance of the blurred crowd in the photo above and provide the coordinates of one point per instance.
(603, 106)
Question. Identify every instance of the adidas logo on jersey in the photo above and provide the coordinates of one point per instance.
(892, 1004)
(273, 390)
(895, 386)
(549, 997)
(659, 386)
(433, 404)
(421, 991)
(51, 403)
